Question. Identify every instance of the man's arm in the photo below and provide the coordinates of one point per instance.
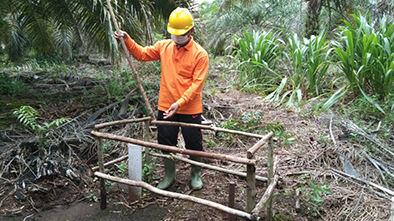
(199, 76)
(148, 53)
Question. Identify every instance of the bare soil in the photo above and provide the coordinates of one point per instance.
(307, 154)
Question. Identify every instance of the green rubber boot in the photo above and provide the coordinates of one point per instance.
(196, 174)
(169, 178)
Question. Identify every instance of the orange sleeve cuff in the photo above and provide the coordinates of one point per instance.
(128, 41)
(181, 102)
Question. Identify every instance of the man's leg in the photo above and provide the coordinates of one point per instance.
(167, 135)
(193, 141)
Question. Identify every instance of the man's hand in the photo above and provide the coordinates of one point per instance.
(119, 34)
(171, 111)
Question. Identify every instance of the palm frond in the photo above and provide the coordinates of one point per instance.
(256, 15)
(35, 24)
(16, 40)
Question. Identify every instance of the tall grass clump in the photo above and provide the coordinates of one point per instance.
(365, 55)
(258, 54)
(307, 62)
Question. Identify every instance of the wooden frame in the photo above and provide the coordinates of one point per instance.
(249, 161)
(252, 210)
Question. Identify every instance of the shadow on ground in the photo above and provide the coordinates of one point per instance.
(91, 212)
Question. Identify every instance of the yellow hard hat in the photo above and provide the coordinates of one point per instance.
(180, 21)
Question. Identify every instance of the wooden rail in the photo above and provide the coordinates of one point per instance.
(173, 149)
(250, 162)
(177, 195)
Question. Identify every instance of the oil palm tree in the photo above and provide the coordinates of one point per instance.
(226, 19)
(330, 14)
(58, 27)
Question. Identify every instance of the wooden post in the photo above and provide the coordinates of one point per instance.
(103, 192)
(231, 199)
(392, 209)
(266, 196)
(146, 138)
(269, 212)
(250, 187)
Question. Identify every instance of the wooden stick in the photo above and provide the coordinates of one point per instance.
(390, 192)
(297, 204)
(146, 138)
(174, 149)
(137, 78)
(207, 166)
(392, 209)
(177, 195)
(103, 192)
(231, 199)
(258, 145)
(266, 196)
(271, 171)
(111, 162)
(251, 189)
(213, 128)
(126, 121)
(270, 160)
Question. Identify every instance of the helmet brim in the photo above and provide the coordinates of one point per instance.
(174, 31)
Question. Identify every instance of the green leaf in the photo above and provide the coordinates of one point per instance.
(332, 99)
(370, 100)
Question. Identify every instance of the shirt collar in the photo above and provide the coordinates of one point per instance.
(189, 45)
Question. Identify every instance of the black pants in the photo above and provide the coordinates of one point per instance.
(168, 135)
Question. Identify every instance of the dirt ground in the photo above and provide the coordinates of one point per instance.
(306, 154)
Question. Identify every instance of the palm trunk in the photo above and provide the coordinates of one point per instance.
(312, 23)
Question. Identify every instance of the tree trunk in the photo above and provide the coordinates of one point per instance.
(312, 23)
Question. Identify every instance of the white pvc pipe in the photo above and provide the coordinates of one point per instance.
(135, 170)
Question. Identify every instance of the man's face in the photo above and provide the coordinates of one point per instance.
(181, 39)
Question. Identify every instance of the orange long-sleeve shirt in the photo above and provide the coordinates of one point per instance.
(183, 72)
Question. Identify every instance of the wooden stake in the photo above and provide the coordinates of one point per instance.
(103, 192)
(251, 190)
(392, 209)
(231, 198)
(265, 198)
(297, 204)
(146, 138)
(269, 212)
(177, 195)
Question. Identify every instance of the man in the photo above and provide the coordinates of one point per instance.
(184, 66)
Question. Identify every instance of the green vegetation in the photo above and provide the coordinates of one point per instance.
(250, 122)
(148, 169)
(363, 54)
(307, 64)
(314, 197)
(9, 86)
(257, 53)
(366, 59)
(29, 117)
